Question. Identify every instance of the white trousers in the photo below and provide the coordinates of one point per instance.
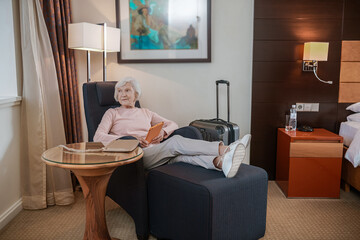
(180, 149)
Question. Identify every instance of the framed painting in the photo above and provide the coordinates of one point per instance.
(164, 31)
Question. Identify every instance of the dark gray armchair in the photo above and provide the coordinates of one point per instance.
(127, 185)
(182, 201)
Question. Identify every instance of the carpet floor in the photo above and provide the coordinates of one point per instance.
(286, 219)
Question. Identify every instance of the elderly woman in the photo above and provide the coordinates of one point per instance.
(128, 120)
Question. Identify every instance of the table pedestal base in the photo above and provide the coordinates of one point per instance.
(94, 183)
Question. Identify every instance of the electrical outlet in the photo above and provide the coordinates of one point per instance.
(299, 107)
(307, 107)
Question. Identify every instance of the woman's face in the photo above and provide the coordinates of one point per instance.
(145, 12)
(127, 96)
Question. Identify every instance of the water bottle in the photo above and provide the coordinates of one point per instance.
(292, 121)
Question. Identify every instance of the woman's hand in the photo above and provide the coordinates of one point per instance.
(143, 142)
(159, 138)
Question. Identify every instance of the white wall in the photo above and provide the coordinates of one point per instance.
(10, 200)
(185, 91)
(7, 50)
(10, 65)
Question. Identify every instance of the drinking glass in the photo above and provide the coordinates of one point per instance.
(287, 123)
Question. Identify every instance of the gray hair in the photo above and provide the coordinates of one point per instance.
(135, 85)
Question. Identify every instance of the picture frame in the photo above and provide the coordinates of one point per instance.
(164, 31)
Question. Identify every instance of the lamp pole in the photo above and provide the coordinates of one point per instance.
(88, 65)
(104, 54)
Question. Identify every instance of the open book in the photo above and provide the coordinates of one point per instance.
(121, 145)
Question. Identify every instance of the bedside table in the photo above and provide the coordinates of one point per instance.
(308, 164)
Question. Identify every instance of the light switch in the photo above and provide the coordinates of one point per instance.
(307, 107)
(315, 107)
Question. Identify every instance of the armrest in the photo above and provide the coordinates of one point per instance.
(188, 132)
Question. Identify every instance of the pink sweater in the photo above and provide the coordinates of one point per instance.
(119, 122)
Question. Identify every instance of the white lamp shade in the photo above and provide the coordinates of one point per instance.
(317, 51)
(88, 36)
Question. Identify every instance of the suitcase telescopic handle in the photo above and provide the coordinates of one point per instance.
(222, 82)
(217, 98)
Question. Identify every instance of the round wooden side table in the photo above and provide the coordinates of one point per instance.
(93, 170)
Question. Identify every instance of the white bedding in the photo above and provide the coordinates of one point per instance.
(350, 131)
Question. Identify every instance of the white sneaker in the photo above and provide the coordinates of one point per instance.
(246, 140)
(232, 160)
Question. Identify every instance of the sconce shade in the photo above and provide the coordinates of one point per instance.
(90, 37)
(316, 51)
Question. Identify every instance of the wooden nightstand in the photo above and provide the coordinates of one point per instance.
(308, 164)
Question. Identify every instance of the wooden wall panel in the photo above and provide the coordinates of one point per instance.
(313, 9)
(350, 51)
(297, 29)
(349, 92)
(301, 91)
(273, 114)
(266, 118)
(280, 29)
(342, 112)
(350, 72)
(351, 29)
(291, 72)
(273, 51)
(352, 9)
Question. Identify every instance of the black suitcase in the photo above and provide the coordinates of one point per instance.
(217, 129)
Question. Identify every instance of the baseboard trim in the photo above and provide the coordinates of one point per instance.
(9, 214)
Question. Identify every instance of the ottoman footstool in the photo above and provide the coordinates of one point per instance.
(190, 202)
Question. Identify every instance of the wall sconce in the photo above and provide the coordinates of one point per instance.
(96, 38)
(314, 52)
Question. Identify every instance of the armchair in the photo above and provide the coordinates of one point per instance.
(127, 185)
(182, 201)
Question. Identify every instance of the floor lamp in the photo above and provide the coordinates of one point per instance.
(96, 38)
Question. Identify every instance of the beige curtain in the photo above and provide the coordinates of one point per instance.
(41, 117)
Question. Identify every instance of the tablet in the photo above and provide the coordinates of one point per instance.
(154, 131)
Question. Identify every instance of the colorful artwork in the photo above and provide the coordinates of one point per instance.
(164, 31)
(163, 24)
